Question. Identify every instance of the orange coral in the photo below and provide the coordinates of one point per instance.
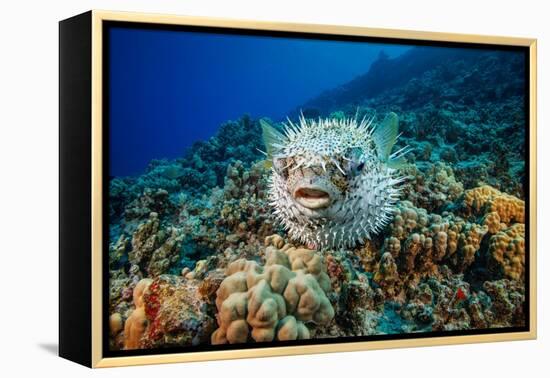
(492, 222)
(507, 251)
(486, 199)
(135, 325)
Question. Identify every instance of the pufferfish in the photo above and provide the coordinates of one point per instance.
(334, 182)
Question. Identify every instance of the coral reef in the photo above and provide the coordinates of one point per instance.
(203, 167)
(196, 257)
(415, 277)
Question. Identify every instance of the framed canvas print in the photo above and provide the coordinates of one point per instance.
(236, 189)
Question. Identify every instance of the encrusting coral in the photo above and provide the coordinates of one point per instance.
(273, 302)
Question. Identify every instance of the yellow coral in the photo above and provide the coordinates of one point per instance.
(507, 251)
(368, 255)
(486, 199)
(492, 222)
(469, 241)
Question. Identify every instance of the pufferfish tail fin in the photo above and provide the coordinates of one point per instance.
(385, 136)
(272, 139)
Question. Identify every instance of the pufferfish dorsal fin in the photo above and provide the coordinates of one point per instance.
(385, 136)
(272, 138)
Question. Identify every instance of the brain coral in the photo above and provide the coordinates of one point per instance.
(274, 301)
(486, 199)
(507, 252)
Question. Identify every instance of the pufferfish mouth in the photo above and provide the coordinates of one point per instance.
(312, 198)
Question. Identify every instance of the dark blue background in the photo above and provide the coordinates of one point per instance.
(169, 89)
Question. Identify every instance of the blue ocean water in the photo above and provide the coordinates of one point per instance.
(169, 89)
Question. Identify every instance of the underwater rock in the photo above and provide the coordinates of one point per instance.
(356, 309)
(274, 301)
(118, 251)
(386, 74)
(121, 287)
(168, 312)
(233, 216)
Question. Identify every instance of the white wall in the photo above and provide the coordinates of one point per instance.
(28, 185)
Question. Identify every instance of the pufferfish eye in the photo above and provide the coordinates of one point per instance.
(355, 161)
(354, 167)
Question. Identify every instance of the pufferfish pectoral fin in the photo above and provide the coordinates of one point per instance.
(385, 136)
(397, 163)
(271, 137)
